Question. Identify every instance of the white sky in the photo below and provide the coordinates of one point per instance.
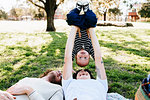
(6, 5)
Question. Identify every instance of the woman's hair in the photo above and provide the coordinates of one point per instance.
(53, 81)
(45, 73)
(75, 74)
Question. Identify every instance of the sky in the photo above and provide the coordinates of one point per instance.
(6, 5)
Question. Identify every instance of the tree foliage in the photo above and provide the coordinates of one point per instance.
(40, 14)
(3, 14)
(18, 12)
(145, 10)
(115, 11)
(102, 6)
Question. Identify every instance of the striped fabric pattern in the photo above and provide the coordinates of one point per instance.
(82, 42)
(140, 95)
(143, 92)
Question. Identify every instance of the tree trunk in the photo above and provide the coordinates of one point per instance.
(50, 22)
(105, 16)
(50, 8)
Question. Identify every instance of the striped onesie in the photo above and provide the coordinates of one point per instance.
(82, 42)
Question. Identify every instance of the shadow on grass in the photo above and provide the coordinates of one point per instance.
(51, 56)
(122, 78)
(115, 47)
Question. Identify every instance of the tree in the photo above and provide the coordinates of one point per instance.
(3, 14)
(40, 14)
(104, 5)
(14, 13)
(114, 11)
(145, 10)
(50, 7)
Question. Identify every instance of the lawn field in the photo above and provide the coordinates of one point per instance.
(125, 51)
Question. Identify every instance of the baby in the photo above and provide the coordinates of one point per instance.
(82, 45)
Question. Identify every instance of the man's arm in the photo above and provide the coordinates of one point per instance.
(98, 58)
(67, 69)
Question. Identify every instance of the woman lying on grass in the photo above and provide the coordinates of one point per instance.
(45, 88)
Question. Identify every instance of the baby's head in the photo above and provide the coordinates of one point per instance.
(82, 58)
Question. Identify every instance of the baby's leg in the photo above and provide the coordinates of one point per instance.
(73, 18)
(90, 19)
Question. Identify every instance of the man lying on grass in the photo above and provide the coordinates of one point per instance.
(84, 87)
(47, 87)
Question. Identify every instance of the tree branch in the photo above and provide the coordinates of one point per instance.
(42, 1)
(36, 4)
(61, 1)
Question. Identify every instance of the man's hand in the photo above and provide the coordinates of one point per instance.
(87, 31)
(6, 96)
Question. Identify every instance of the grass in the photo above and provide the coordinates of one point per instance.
(126, 55)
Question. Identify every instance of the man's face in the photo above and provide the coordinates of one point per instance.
(83, 75)
(55, 76)
(82, 58)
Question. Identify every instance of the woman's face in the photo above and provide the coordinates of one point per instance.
(83, 75)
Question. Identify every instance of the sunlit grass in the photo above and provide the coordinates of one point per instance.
(126, 55)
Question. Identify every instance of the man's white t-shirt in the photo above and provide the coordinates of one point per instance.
(89, 89)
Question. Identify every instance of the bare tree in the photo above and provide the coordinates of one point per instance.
(49, 6)
(104, 5)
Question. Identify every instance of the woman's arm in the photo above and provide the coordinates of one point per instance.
(21, 89)
(5, 96)
(98, 58)
(67, 69)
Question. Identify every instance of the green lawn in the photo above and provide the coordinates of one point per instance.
(126, 55)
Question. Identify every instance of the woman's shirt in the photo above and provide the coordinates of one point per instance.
(44, 90)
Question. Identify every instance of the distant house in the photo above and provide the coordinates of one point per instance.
(133, 14)
(59, 14)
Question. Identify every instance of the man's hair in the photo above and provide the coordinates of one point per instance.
(75, 74)
(53, 80)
